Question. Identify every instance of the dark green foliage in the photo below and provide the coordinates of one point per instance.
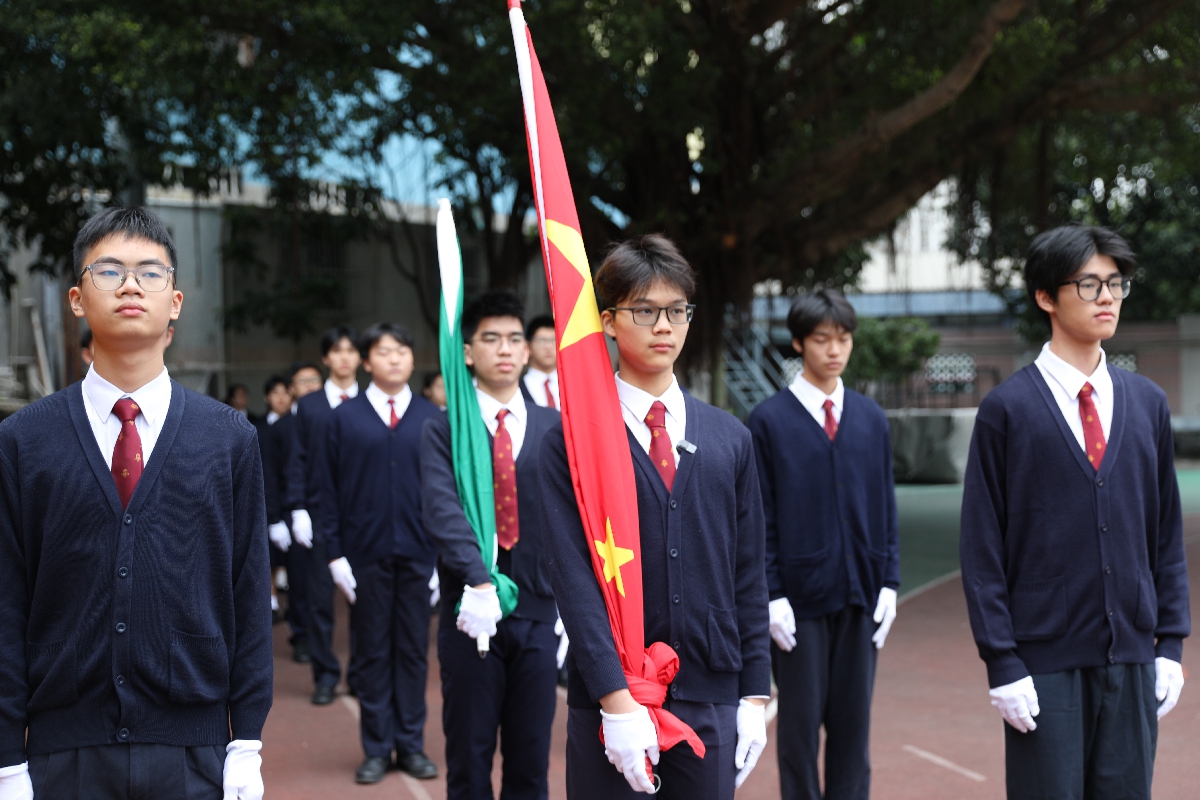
(889, 350)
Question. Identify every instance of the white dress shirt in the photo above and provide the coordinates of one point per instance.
(379, 401)
(535, 382)
(334, 394)
(635, 405)
(153, 400)
(272, 417)
(514, 423)
(1065, 382)
(813, 399)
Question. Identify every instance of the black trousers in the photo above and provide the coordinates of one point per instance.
(1095, 738)
(683, 776)
(129, 772)
(513, 689)
(827, 679)
(391, 636)
(326, 669)
(297, 594)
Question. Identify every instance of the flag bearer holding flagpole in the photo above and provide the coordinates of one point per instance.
(481, 502)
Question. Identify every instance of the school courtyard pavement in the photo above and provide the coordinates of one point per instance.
(934, 735)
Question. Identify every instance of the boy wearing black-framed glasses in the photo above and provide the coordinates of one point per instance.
(1072, 540)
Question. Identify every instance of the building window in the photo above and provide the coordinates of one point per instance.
(951, 373)
(1126, 361)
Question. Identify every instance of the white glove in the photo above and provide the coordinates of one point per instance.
(783, 624)
(15, 783)
(243, 770)
(885, 615)
(435, 590)
(563, 642)
(302, 528)
(279, 535)
(1017, 703)
(1168, 683)
(479, 611)
(343, 578)
(751, 738)
(629, 739)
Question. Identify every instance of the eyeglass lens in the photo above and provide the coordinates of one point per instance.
(110, 277)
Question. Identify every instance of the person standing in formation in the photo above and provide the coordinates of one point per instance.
(339, 353)
(513, 688)
(833, 553)
(135, 622)
(1072, 540)
(378, 552)
(279, 402)
(703, 573)
(541, 379)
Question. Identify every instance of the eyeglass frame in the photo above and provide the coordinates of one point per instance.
(125, 277)
(1126, 287)
(691, 312)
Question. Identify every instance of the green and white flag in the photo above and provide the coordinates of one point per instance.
(469, 447)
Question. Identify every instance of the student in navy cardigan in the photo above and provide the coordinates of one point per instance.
(512, 689)
(379, 554)
(702, 540)
(314, 405)
(135, 622)
(1072, 540)
(833, 556)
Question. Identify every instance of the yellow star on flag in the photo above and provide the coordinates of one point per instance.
(585, 317)
(614, 557)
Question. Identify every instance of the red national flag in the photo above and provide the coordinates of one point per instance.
(597, 446)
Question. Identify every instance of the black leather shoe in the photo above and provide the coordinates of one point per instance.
(323, 696)
(300, 651)
(371, 771)
(418, 765)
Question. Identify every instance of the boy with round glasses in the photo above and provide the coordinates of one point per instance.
(135, 623)
(1072, 540)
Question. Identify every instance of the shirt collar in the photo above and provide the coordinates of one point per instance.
(153, 398)
(1070, 378)
(333, 394)
(489, 406)
(813, 398)
(380, 400)
(638, 401)
(542, 377)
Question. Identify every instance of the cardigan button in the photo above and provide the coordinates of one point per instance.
(1104, 527)
(1099, 481)
(123, 734)
(120, 680)
(1108, 570)
(122, 572)
(675, 599)
(675, 645)
(129, 519)
(674, 504)
(120, 627)
(674, 553)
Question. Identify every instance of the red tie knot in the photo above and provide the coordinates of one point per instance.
(500, 415)
(657, 418)
(344, 398)
(827, 405)
(1085, 393)
(125, 409)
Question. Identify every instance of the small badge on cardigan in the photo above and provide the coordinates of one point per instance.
(685, 446)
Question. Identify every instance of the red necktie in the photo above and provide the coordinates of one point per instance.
(394, 420)
(550, 396)
(127, 463)
(508, 525)
(830, 421)
(343, 398)
(660, 444)
(1093, 432)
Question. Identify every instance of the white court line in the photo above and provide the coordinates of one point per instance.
(925, 587)
(412, 784)
(942, 762)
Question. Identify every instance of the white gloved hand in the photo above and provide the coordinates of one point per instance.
(629, 739)
(279, 535)
(563, 642)
(15, 783)
(435, 590)
(302, 530)
(243, 770)
(783, 624)
(1168, 683)
(343, 578)
(1017, 702)
(751, 738)
(479, 611)
(885, 615)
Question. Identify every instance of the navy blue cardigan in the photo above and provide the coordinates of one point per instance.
(370, 501)
(149, 624)
(306, 455)
(703, 581)
(1065, 567)
(459, 560)
(830, 507)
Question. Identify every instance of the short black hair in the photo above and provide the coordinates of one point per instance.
(232, 390)
(814, 308)
(273, 381)
(299, 365)
(85, 339)
(537, 323)
(1057, 254)
(136, 222)
(430, 377)
(371, 336)
(632, 266)
(331, 337)
(495, 303)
